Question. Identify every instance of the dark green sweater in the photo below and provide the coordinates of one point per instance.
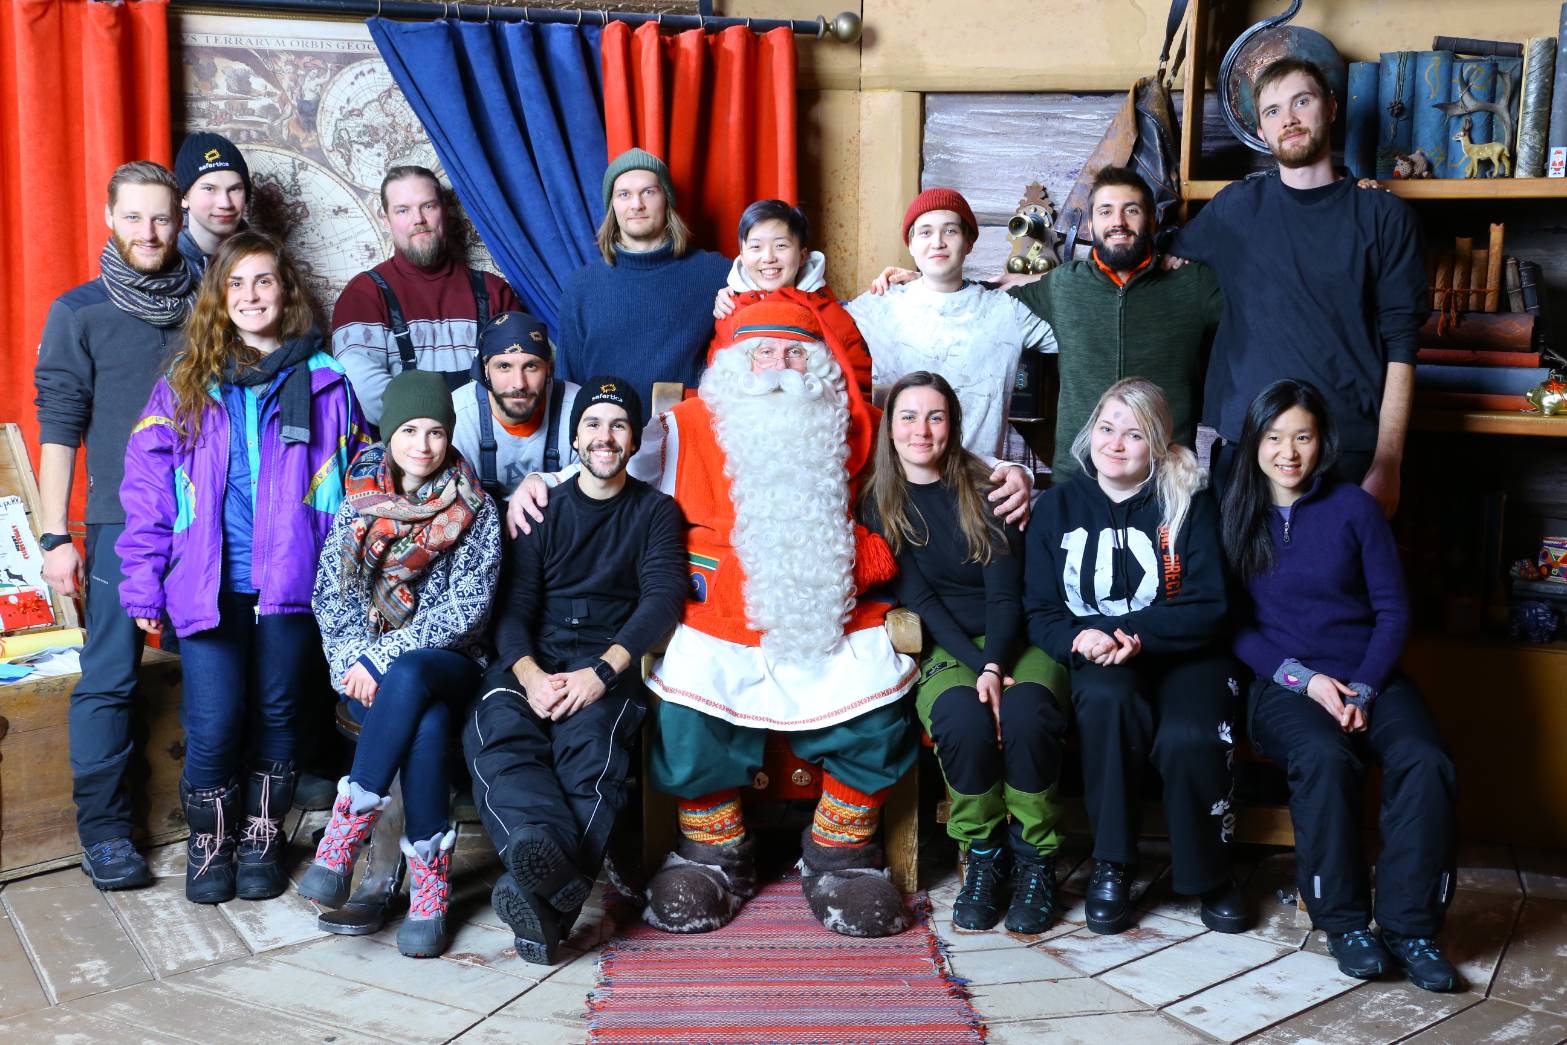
(1158, 326)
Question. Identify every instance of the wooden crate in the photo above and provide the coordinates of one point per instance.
(37, 815)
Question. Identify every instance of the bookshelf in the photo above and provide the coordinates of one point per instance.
(1489, 422)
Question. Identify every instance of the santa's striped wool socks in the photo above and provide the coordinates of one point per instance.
(844, 816)
(713, 819)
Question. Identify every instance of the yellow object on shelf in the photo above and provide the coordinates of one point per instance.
(14, 647)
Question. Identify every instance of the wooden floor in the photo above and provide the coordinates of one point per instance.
(77, 965)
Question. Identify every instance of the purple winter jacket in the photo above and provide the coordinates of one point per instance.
(172, 548)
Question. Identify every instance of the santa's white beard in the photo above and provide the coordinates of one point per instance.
(783, 437)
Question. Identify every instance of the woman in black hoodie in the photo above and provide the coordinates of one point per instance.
(1125, 583)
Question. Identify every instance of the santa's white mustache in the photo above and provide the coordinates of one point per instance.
(790, 382)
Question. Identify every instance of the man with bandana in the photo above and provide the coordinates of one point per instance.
(104, 345)
(513, 417)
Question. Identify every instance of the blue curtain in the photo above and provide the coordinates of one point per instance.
(515, 113)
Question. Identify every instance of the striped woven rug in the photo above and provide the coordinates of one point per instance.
(774, 975)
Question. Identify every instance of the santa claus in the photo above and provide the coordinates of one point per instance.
(764, 463)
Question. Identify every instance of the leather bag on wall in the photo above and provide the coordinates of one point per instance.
(1142, 135)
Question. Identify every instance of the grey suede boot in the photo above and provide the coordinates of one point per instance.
(326, 881)
(423, 932)
(269, 790)
(701, 887)
(850, 890)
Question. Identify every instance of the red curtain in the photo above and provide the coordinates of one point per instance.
(84, 88)
(718, 108)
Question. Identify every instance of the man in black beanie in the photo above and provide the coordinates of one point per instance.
(583, 596)
(214, 182)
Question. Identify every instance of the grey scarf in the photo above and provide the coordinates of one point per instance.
(163, 299)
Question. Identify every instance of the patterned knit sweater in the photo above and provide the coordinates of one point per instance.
(454, 601)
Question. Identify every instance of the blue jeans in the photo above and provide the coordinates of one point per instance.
(99, 734)
(244, 676)
(407, 727)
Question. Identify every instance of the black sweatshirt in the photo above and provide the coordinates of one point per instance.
(1324, 284)
(957, 599)
(614, 567)
(1078, 538)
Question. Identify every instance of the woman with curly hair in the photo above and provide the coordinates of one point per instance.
(232, 477)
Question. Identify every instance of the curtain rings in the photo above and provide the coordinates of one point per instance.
(486, 14)
(579, 18)
(603, 18)
(701, 23)
(459, 9)
(378, 8)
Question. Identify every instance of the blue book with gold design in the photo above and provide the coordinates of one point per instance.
(1474, 79)
(1433, 75)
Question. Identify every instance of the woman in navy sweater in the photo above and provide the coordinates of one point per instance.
(1328, 620)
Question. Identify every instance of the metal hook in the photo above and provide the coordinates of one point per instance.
(701, 23)
(748, 22)
(459, 9)
(486, 14)
(378, 8)
(660, 20)
(579, 18)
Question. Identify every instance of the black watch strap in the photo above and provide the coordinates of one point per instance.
(50, 541)
(606, 674)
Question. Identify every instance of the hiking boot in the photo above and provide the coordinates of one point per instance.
(268, 791)
(1224, 909)
(1109, 907)
(850, 890)
(1033, 905)
(209, 851)
(701, 886)
(978, 903)
(534, 923)
(1423, 960)
(1359, 954)
(326, 881)
(423, 932)
(314, 793)
(540, 867)
(114, 863)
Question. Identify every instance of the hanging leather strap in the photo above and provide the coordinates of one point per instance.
(552, 421)
(489, 471)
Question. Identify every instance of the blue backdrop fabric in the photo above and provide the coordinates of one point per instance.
(515, 113)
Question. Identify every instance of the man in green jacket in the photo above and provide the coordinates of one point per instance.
(1119, 314)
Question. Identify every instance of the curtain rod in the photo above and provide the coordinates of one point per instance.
(845, 28)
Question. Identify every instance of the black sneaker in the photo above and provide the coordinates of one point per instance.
(115, 864)
(1033, 905)
(978, 903)
(1109, 907)
(1428, 968)
(1359, 954)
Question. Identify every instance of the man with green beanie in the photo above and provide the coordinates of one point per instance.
(645, 311)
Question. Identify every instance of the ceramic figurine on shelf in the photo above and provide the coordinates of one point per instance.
(1549, 397)
(1494, 153)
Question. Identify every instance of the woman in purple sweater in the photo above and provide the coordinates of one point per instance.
(1328, 620)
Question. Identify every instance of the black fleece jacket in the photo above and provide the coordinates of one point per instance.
(1093, 563)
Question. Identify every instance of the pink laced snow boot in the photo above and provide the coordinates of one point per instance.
(327, 880)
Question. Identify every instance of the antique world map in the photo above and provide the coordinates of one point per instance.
(319, 119)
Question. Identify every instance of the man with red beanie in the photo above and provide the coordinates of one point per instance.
(764, 464)
(968, 333)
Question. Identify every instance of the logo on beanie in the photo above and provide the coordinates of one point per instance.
(501, 319)
(606, 389)
(210, 155)
(537, 335)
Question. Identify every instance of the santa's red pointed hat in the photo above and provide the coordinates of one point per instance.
(787, 321)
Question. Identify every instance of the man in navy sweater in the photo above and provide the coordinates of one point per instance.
(646, 310)
(1322, 281)
(590, 589)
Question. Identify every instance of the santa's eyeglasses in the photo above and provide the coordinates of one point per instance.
(774, 353)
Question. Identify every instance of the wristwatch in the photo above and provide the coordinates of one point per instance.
(606, 674)
(50, 541)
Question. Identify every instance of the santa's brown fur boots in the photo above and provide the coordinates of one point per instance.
(701, 887)
(850, 890)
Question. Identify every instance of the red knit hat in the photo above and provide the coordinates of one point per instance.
(939, 199)
(780, 319)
